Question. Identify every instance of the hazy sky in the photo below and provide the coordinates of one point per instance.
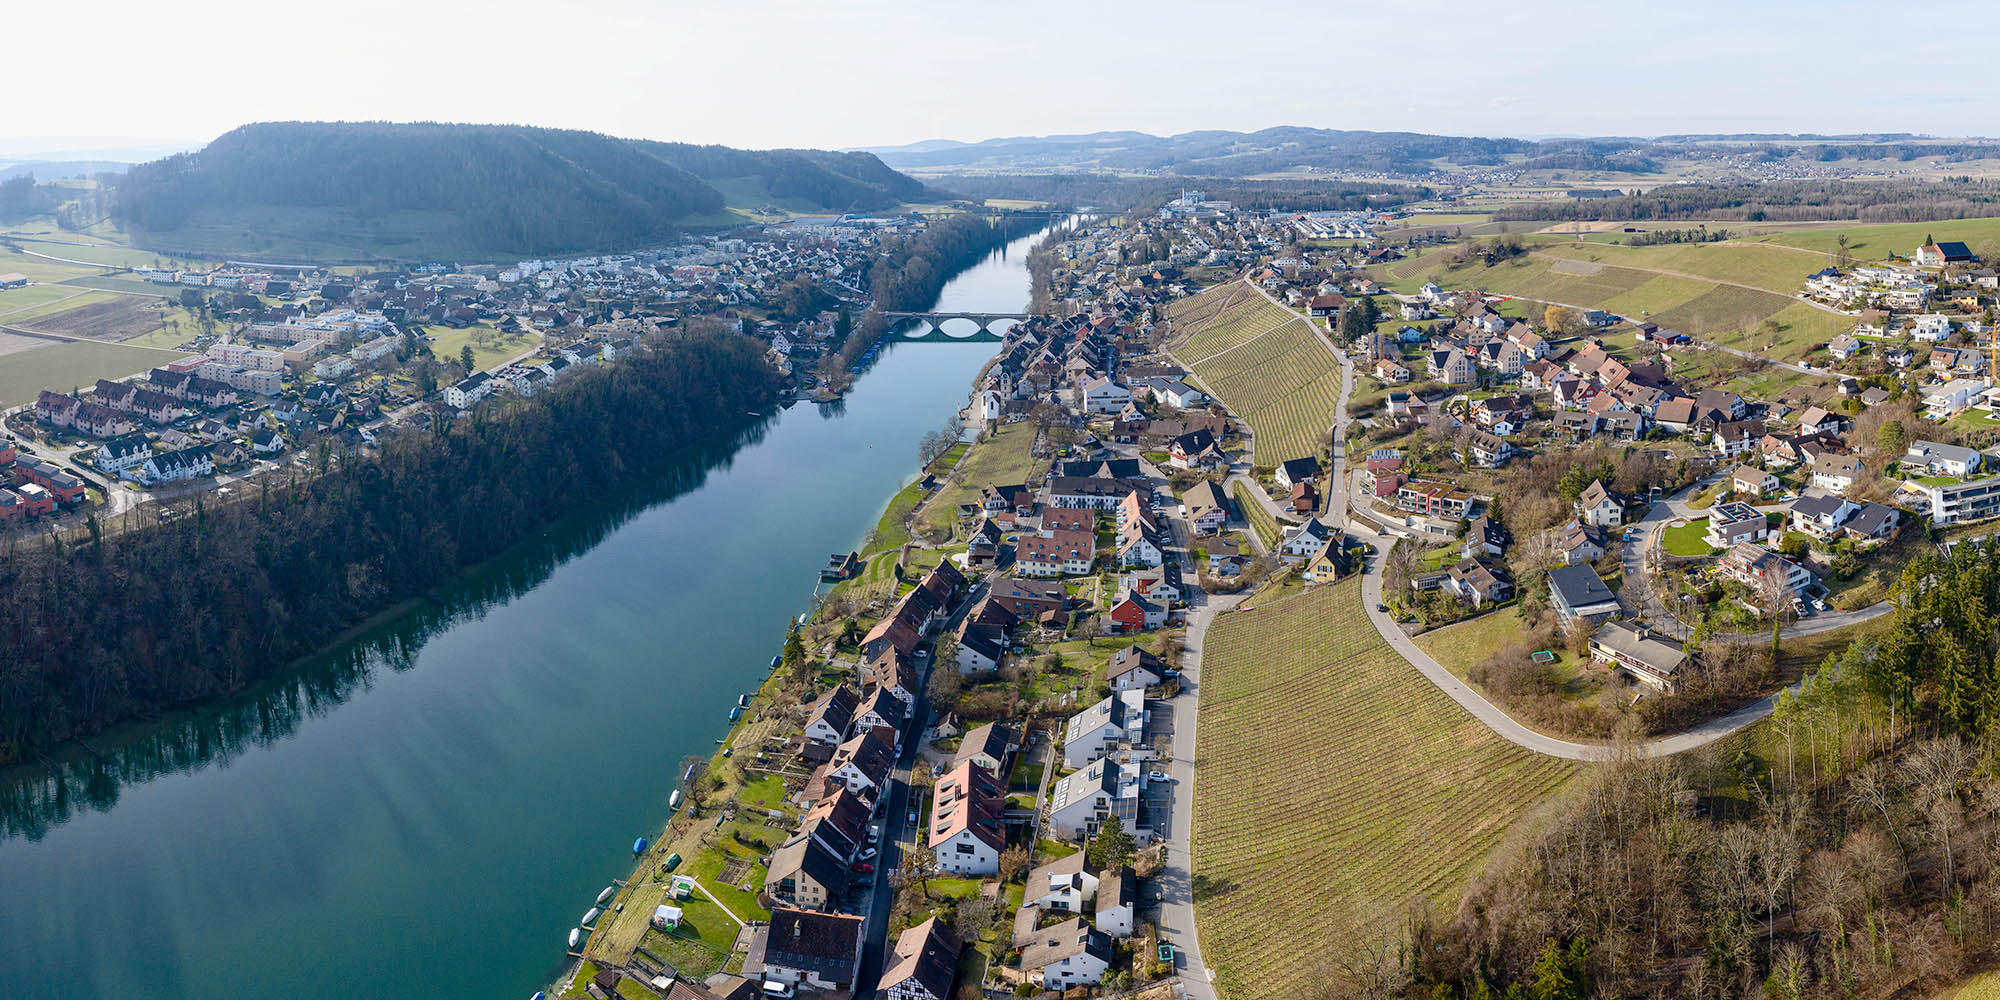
(873, 72)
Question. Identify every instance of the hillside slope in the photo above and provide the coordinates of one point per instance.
(347, 190)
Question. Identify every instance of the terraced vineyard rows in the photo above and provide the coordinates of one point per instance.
(1336, 785)
(1284, 385)
(1223, 317)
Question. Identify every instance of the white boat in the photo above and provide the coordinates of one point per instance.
(575, 937)
(591, 916)
(605, 896)
(674, 800)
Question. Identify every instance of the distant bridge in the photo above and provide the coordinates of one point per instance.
(984, 320)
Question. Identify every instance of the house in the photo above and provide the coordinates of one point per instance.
(1636, 650)
(1822, 516)
(1735, 437)
(1030, 599)
(805, 874)
(1329, 564)
(1080, 801)
(806, 948)
(1748, 480)
(862, 764)
(1134, 613)
(881, 710)
(1578, 592)
(1940, 254)
(839, 821)
(981, 647)
(1195, 450)
(123, 452)
(1101, 728)
(1392, 371)
(1599, 507)
(1055, 553)
(1762, 570)
(1206, 508)
(1297, 470)
(1945, 400)
(1873, 520)
(967, 826)
(831, 717)
(174, 466)
(1480, 582)
(1816, 420)
(1489, 450)
(1485, 536)
(1578, 542)
(987, 746)
(1117, 903)
(1133, 668)
(1843, 347)
(1735, 521)
(924, 964)
(1104, 396)
(1939, 459)
(1062, 885)
(1837, 474)
(1067, 954)
(1301, 542)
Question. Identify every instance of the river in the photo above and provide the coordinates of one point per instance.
(428, 808)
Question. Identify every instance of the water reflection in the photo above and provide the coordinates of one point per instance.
(88, 776)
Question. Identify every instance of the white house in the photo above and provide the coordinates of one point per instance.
(1117, 903)
(173, 466)
(1089, 734)
(1063, 885)
(1081, 800)
(1067, 954)
(1101, 395)
(967, 831)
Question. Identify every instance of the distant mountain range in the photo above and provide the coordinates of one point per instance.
(418, 190)
(1238, 154)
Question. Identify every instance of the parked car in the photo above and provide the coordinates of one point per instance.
(1157, 776)
(864, 867)
(869, 854)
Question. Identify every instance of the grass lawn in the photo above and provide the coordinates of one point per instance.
(29, 301)
(490, 347)
(1001, 459)
(64, 366)
(1873, 243)
(890, 533)
(1408, 796)
(1460, 647)
(1686, 539)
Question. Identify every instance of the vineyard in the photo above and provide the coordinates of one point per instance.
(1284, 384)
(1336, 787)
(1223, 317)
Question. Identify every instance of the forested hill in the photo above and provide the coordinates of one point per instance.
(170, 614)
(331, 189)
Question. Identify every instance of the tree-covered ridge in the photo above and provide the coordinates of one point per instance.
(204, 605)
(835, 181)
(516, 189)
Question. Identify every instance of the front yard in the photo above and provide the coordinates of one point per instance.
(1687, 541)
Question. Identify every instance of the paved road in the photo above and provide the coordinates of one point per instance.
(1175, 882)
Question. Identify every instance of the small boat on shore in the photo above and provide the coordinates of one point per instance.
(590, 917)
(743, 700)
(774, 662)
(639, 847)
(605, 896)
(688, 775)
(735, 712)
(575, 937)
(674, 800)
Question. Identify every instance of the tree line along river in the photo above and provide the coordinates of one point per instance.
(427, 807)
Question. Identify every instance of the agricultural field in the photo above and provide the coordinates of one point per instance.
(64, 366)
(105, 316)
(1771, 268)
(1876, 242)
(34, 300)
(1337, 787)
(1284, 384)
